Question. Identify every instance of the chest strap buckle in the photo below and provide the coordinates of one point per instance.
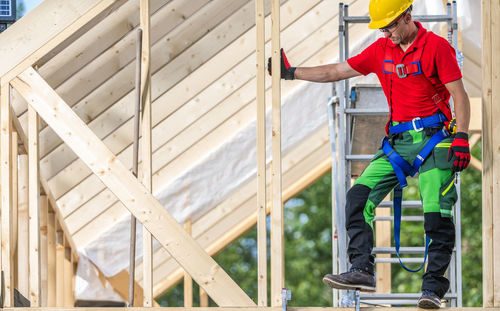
(400, 70)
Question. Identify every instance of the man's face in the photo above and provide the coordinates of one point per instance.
(396, 30)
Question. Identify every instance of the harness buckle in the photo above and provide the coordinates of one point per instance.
(400, 70)
(417, 129)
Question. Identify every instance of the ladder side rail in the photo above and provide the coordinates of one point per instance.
(335, 194)
(341, 154)
(458, 206)
(348, 119)
(342, 177)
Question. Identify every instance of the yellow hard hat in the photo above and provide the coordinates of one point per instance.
(383, 12)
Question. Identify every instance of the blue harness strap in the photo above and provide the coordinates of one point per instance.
(398, 198)
(419, 124)
(402, 169)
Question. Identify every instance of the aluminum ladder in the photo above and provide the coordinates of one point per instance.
(345, 110)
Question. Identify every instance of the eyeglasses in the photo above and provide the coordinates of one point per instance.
(393, 27)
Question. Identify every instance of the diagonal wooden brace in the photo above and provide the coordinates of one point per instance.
(75, 133)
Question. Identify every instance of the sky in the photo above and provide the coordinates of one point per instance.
(29, 4)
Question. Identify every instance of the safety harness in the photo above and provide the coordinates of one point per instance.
(401, 167)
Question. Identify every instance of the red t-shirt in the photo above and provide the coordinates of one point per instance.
(412, 97)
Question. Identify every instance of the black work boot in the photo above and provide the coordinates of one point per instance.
(353, 279)
(429, 300)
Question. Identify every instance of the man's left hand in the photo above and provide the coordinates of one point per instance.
(459, 152)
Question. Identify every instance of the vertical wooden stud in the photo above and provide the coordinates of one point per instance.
(495, 130)
(261, 155)
(23, 228)
(146, 140)
(488, 150)
(6, 193)
(59, 267)
(34, 208)
(277, 254)
(51, 258)
(203, 298)
(15, 202)
(44, 209)
(68, 276)
(188, 281)
(383, 239)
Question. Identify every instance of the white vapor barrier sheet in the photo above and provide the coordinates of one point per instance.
(216, 175)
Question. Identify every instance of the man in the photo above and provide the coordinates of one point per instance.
(418, 72)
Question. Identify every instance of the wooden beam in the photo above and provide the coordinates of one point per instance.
(277, 253)
(119, 282)
(44, 212)
(23, 228)
(132, 194)
(261, 154)
(255, 309)
(147, 168)
(39, 33)
(489, 60)
(188, 281)
(69, 299)
(59, 266)
(203, 298)
(51, 258)
(6, 194)
(34, 208)
(475, 115)
(383, 239)
(495, 129)
(15, 206)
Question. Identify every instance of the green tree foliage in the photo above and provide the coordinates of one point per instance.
(308, 247)
(20, 9)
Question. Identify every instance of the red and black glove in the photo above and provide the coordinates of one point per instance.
(459, 152)
(287, 72)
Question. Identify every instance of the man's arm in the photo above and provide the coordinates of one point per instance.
(462, 104)
(459, 152)
(326, 73)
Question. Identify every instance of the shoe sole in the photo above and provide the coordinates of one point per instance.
(333, 284)
(427, 304)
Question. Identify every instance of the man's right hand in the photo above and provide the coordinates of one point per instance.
(287, 72)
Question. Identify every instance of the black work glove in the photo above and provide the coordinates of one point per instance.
(459, 152)
(287, 72)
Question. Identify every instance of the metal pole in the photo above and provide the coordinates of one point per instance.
(335, 256)
(135, 164)
(341, 155)
(449, 23)
(458, 206)
(348, 119)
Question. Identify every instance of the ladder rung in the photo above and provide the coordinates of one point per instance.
(389, 301)
(403, 218)
(396, 260)
(366, 111)
(400, 296)
(420, 18)
(408, 204)
(359, 157)
(402, 250)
